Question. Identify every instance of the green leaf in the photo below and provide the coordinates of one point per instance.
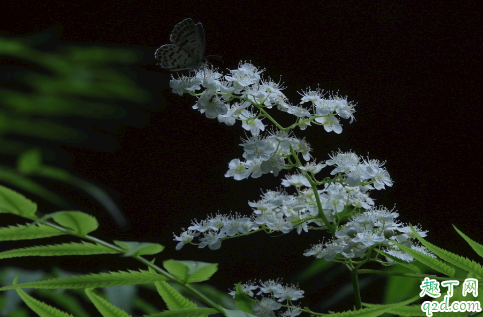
(478, 248)
(237, 313)
(433, 263)
(78, 221)
(191, 271)
(407, 265)
(41, 308)
(397, 287)
(21, 232)
(243, 301)
(29, 161)
(410, 310)
(459, 261)
(14, 203)
(315, 268)
(65, 300)
(134, 248)
(104, 307)
(94, 280)
(82, 248)
(186, 312)
(374, 310)
(173, 299)
(22, 182)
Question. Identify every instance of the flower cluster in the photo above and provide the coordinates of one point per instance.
(340, 204)
(262, 153)
(278, 211)
(276, 294)
(375, 227)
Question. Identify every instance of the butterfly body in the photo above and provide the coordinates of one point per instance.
(188, 49)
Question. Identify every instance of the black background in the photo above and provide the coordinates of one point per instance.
(414, 70)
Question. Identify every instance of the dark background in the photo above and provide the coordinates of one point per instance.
(414, 70)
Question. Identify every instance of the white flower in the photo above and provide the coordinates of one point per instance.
(323, 107)
(185, 237)
(297, 180)
(247, 288)
(185, 84)
(374, 171)
(269, 287)
(257, 148)
(211, 105)
(368, 238)
(346, 162)
(312, 95)
(327, 251)
(288, 293)
(299, 112)
(277, 222)
(212, 240)
(236, 224)
(239, 170)
(344, 108)
(331, 124)
(291, 312)
(274, 93)
(265, 307)
(336, 198)
(202, 226)
(250, 122)
(313, 167)
(244, 76)
(409, 233)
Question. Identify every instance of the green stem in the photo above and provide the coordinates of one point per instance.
(188, 287)
(355, 284)
(159, 270)
(313, 185)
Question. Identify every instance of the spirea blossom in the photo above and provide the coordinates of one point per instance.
(340, 203)
(271, 295)
(375, 227)
(243, 95)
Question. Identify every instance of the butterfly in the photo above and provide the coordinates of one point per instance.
(188, 49)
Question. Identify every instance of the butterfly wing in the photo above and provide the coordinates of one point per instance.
(174, 58)
(188, 48)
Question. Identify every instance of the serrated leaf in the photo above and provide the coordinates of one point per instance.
(65, 300)
(82, 248)
(94, 280)
(433, 263)
(457, 260)
(40, 308)
(478, 248)
(173, 299)
(134, 248)
(374, 311)
(78, 221)
(191, 271)
(407, 265)
(243, 301)
(21, 232)
(104, 307)
(398, 286)
(15, 203)
(410, 310)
